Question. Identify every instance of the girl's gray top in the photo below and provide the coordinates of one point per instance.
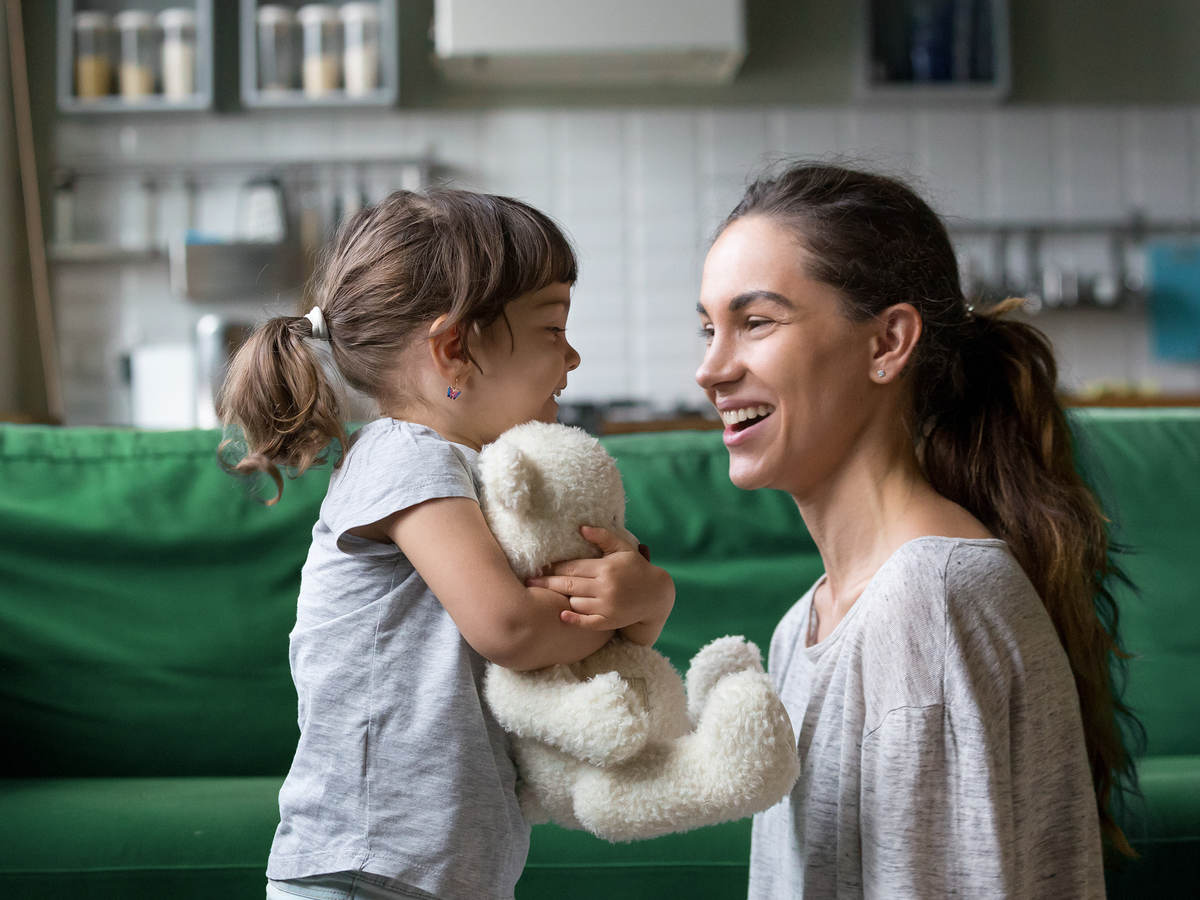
(940, 738)
(400, 770)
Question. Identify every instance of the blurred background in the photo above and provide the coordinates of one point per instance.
(169, 171)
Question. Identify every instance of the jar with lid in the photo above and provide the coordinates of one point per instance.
(322, 49)
(93, 54)
(278, 59)
(360, 57)
(138, 70)
(178, 52)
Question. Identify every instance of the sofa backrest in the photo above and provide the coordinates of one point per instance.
(145, 603)
(146, 596)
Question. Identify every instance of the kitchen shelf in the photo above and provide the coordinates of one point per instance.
(389, 69)
(114, 104)
(942, 51)
(103, 253)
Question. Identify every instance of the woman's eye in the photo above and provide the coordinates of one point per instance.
(705, 331)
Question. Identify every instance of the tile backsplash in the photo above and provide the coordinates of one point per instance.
(640, 191)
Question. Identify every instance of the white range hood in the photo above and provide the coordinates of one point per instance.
(577, 42)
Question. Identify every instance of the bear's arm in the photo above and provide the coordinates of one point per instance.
(601, 720)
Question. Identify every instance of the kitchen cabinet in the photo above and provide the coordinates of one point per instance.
(934, 50)
(319, 54)
(134, 56)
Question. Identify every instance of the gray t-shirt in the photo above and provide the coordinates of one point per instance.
(940, 738)
(401, 770)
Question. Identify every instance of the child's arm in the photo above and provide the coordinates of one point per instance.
(620, 591)
(449, 543)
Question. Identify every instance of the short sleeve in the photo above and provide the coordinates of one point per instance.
(392, 468)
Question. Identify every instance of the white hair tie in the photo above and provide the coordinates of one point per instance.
(320, 329)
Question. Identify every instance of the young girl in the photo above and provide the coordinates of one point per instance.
(450, 310)
(949, 674)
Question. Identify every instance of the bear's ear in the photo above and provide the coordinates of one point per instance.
(517, 479)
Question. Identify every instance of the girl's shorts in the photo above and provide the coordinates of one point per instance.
(344, 886)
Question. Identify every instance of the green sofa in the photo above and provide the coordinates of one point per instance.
(147, 715)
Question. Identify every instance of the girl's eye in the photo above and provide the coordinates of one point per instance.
(706, 331)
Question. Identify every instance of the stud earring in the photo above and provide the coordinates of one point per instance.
(452, 392)
(880, 373)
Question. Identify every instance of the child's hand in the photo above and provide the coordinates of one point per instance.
(619, 591)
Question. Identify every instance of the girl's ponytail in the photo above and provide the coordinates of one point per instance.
(992, 436)
(277, 392)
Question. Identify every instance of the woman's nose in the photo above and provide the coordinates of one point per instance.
(717, 366)
(573, 357)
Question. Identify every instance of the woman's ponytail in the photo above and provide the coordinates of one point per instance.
(277, 392)
(992, 436)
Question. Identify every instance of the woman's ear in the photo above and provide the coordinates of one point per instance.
(446, 351)
(899, 328)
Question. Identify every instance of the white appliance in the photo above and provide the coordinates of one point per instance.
(589, 42)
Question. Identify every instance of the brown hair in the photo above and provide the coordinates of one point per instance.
(987, 425)
(391, 271)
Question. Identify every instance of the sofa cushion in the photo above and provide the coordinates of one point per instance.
(136, 837)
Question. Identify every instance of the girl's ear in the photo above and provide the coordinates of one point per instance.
(899, 329)
(446, 351)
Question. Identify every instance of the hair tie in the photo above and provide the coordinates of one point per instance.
(320, 330)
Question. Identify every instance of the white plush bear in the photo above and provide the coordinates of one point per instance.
(615, 744)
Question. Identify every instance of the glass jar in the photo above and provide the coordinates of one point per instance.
(93, 54)
(178, 52)
(138, 70)
(322, 71)
(360, 56)
(278, 61)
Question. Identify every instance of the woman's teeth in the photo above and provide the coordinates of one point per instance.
(734, 416)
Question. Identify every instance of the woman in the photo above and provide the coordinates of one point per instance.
(948, 676)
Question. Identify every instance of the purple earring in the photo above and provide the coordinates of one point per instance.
(453, 392)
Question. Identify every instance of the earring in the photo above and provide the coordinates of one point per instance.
(452, 392)
(880, 373)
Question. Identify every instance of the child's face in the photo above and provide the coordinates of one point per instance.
(523, 373)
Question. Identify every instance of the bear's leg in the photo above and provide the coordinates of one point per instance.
(740, 760)
(718, 658)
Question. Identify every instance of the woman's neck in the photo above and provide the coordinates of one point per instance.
(866, 511)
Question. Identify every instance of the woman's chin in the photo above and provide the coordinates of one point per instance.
(747, 477)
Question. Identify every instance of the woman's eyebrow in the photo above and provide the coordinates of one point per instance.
(747, 297)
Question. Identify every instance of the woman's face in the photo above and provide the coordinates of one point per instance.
(787, 370)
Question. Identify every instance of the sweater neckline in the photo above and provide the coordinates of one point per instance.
(817, 649)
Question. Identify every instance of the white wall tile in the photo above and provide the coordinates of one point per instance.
(1018, 166)
(881, 140)
(1158, 163)
(732, 142)
(1087, 166)
(949, 151)
(809, 133)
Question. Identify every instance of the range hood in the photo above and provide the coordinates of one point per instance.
(589, 42)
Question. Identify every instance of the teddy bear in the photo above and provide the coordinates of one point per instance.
(618, 744)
